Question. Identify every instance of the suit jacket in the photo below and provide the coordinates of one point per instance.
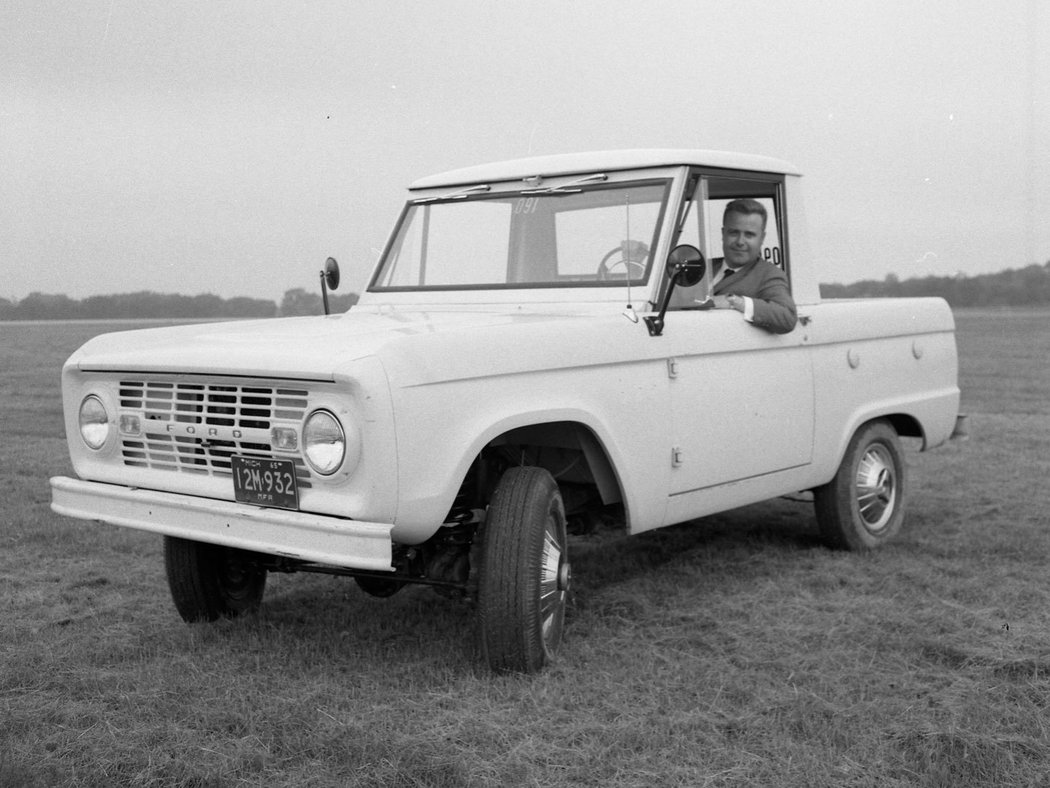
(767, 286)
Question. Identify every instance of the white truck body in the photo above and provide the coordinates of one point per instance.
(710, 414)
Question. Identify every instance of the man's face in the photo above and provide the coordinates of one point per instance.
(742, 236)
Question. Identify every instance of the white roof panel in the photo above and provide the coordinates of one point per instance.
(600, 161)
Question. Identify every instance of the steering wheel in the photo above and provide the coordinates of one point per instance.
(632, 253)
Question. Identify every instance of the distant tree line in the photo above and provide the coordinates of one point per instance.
(303, 302)
(148, 305)
(1028, 286)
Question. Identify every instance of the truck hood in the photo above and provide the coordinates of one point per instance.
(301, 348)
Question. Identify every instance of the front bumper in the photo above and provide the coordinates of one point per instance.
(298, 535)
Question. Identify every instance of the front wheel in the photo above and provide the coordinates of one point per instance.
(524, 578)
(863, 506)
(209, 581)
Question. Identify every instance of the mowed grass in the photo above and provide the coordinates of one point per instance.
(736, 650)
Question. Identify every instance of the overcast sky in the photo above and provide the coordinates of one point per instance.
(230, 147)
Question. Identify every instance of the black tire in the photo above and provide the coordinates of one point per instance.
(524, 577)
(209, 582)
(863, 506)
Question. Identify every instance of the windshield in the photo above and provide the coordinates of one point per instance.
(591, 236)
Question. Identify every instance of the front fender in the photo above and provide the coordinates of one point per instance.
(443, 427)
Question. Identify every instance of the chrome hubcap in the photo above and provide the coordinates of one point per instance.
(555, 578)
(876, 488)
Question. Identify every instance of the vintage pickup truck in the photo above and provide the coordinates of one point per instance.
(516, 369)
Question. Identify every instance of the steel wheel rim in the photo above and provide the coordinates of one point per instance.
(555, 577)
(236, 580)
(876, 488)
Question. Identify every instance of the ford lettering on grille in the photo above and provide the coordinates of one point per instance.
(206, 432)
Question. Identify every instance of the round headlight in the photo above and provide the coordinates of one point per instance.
(94, 422)
(324, 442)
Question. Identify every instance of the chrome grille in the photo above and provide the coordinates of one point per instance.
(194, 427)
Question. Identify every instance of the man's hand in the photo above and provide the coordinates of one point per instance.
(729, 302)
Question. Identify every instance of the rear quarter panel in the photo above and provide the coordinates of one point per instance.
(880, 357)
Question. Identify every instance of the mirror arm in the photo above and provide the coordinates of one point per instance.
(655, 324)
(324, 292)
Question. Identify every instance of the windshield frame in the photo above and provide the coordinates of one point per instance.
(517, 190)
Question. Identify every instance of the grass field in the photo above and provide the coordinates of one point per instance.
(734, 651)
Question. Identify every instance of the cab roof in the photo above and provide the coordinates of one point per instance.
(602, 161)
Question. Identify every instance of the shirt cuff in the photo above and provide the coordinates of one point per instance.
(749, 309)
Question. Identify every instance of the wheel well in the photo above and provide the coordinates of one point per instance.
(905, 425)
(569, 451)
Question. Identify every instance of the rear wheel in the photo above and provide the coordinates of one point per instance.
(524, 578)
(209, 581)
(863, 506)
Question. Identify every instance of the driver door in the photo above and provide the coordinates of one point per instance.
(741, 398)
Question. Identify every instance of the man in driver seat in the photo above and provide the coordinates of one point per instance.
(742, 280)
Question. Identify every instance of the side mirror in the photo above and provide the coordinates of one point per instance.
(331, 273)
(685, 267)
(329, 278)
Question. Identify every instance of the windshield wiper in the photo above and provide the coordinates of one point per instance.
(458, 194)
(565, 188)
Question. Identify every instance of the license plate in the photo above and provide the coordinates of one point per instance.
(265, 482)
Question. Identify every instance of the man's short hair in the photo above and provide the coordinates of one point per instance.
(747, 207)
